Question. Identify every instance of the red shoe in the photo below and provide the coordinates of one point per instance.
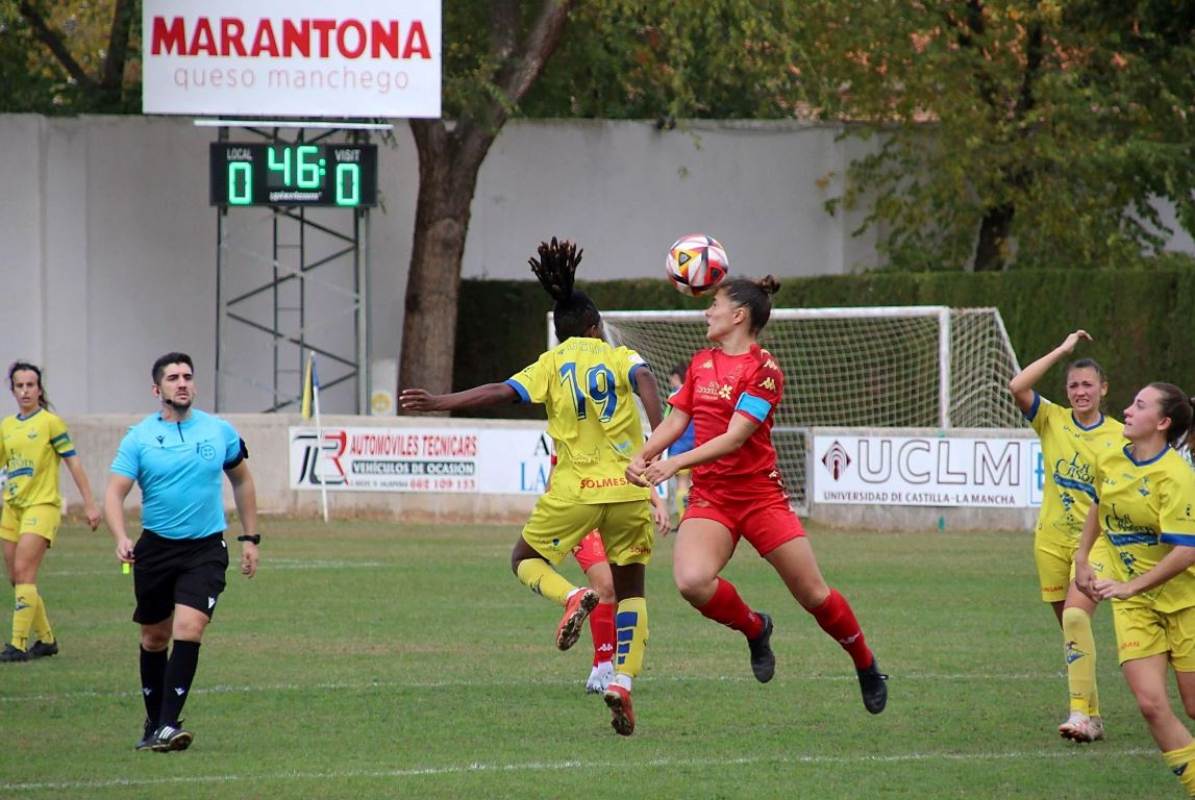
(618, 700)
(575, 611)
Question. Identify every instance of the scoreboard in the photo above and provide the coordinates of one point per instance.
(294, 174)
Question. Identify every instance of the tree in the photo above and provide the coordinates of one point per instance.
(76, 56)
(1014, 130)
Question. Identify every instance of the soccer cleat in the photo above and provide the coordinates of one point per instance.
(147, 737)
(618, 700)
(170, 737)
(763, 660)
(11, 654)
(875, 687)
(42, 650)
(599, 677)
(576, 610)
(1081, 728)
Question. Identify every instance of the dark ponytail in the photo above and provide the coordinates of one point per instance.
(755, 296)
(1180, 408)
(556, 268)
(25, 366)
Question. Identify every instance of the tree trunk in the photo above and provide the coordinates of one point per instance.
(991, 253)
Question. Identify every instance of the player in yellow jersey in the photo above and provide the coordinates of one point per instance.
(1146, 512)
(1071, 438)
(585, 385)
(32, 442)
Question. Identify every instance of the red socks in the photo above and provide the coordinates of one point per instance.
(837, 619)
(728, 608)
(601, 628)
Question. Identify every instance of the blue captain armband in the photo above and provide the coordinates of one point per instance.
(755, 407)
(1183, 539)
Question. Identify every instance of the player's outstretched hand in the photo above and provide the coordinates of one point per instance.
(248, 559)
(419, 400)
(1072, 341)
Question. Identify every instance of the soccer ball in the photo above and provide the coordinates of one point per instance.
(696, 264)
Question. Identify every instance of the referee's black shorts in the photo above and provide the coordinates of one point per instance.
(166, 572)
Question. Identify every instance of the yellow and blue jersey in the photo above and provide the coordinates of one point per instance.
(1146, 508)
(586, 385)
(30, 449)
(1069, 451)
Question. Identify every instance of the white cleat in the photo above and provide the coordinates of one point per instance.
(599, 677)
(1081, 728)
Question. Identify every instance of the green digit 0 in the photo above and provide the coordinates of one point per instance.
(244, 171)
(348, 184)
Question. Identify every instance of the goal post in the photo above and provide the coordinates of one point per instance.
(870, 367)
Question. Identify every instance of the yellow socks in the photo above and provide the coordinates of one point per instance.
(41, 623)
(1180, 764)
(538, 576)
(1080, 661)
(23, 611)
(630, 633)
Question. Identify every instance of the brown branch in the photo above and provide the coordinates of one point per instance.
(112, 77)
(53, 40)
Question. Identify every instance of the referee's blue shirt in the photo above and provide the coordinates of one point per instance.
(180, 468)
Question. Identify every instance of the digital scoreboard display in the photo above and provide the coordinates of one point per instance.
(263, 174)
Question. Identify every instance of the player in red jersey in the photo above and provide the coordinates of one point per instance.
(731, 395)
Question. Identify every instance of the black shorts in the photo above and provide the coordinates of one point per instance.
(166, 572)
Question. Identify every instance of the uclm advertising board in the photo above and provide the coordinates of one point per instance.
(292, 58)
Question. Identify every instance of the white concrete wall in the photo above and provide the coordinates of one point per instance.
(110, 245)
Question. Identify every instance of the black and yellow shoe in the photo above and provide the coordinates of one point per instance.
(42, 650)
(763, 660)
(11, 655)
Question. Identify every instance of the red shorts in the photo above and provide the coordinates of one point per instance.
(766, 523)
(590, 551)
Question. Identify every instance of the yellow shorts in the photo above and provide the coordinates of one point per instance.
(1055, 558)
(557, 526)
(1142, 632)
(41, 519)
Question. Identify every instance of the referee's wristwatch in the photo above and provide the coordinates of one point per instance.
(255, 538)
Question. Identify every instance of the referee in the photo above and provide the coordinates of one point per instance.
(177, 456)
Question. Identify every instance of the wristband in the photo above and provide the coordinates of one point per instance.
(255, 538)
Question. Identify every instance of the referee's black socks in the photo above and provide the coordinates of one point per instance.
(153, 679)
(180, 671)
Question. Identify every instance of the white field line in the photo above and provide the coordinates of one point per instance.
(465, 684)
(534, 766)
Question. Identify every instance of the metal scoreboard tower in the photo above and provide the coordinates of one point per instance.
(292, 258)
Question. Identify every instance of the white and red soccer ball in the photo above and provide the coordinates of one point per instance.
(696, 264)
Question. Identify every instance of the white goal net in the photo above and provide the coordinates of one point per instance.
(898, 367)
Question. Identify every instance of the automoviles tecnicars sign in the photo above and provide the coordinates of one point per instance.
(292, 58)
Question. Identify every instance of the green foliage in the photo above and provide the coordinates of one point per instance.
(1066, 113)
(1140, 319)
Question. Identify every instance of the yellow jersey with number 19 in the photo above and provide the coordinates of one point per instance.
(1146, 508)
(30, 449)
(1069, 451)
(586, 386)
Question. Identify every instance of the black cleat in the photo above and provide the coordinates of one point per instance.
(42, 650)
(170, 737)
(147, 739)
(11, 654)
(874, 686)
(763, 661)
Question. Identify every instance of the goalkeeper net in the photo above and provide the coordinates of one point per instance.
(891, 367)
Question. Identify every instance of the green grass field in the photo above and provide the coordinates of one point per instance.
(375, 660)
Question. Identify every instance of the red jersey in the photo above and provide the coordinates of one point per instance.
(719, 386)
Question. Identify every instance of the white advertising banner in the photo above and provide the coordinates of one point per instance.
(291, 58)
(927, 471)
(481, 460)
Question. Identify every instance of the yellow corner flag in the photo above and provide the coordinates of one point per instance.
(310, 386)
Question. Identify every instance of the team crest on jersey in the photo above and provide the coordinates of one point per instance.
(768, 383)
(725, 392)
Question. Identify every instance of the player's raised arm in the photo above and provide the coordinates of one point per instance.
(1022, 384)
(489, 394)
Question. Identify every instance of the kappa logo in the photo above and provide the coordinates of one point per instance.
(707, 364)
(770, 364)
(768, 383)
(836, 460)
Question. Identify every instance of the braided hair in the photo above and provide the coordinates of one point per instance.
(574, 313)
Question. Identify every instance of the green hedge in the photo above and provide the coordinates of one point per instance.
(1141, 320)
